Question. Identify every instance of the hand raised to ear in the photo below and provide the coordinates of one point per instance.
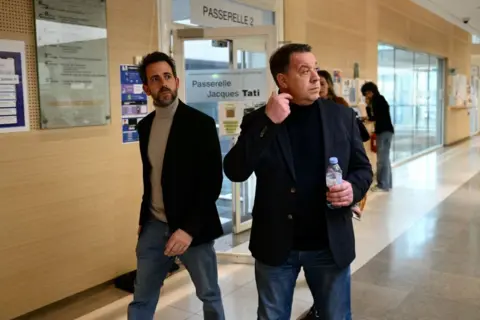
(278, 107)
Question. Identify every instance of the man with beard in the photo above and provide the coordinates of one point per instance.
(182, 179)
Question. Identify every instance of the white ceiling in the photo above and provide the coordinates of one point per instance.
(456, 11)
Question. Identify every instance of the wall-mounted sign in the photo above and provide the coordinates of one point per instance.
(13, 88)
(219, 13)
(72, 62)
(231, 113)
(226, 85)
(134, 102)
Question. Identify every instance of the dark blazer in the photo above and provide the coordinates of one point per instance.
(264, 148)
(192, 174)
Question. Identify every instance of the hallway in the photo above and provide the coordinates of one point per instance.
(417, 253)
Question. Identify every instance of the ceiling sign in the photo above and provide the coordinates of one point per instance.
(219, 13)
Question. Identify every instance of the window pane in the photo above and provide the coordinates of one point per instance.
(421, 84)
(386, 72)
(404, 120)
(435, 116)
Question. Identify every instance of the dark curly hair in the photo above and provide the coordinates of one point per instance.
(370, 86)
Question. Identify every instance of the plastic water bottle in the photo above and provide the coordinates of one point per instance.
(334, 175)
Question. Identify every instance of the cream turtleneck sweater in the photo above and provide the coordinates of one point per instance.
(156, 151)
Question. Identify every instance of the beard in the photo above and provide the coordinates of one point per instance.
(161, 99)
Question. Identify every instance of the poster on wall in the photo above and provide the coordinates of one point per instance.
(231, 113)
(13, 87)
(337, 80)
(133, 100)
(349, 91)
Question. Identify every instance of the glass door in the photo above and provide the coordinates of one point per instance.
(218, 52)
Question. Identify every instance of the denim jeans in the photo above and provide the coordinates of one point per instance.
(330, 286)
(384, 166)
(153, 266)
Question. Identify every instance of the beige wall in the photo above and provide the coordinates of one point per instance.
(69, 199)
(343, 32)
(476, 49)
(476, 59)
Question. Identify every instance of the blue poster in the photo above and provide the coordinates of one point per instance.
(13, 107)
(134, 102)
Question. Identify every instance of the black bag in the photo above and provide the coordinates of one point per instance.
(363, 131)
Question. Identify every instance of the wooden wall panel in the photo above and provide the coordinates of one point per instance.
(345, 31)
(69, 198)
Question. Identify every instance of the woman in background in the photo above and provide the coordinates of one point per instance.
(379, 112)
(327, 91)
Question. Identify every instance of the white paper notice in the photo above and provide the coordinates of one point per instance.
(7, 88)
(7, 66)
(8, 120)
(9, 79)
(8, 111)
(13, 87)
(137, 89)
(8, 96)
(230, 116)
(8, 104)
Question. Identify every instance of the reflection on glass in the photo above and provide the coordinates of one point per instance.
(411, 82)
(386, 81)
(72, 63)
(421, 73)
(249, 60)
(404, 104)
(435, 111)
(201, 55)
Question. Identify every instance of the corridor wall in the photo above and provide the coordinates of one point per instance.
(69, 198)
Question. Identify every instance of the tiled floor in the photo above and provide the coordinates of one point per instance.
(417, 253)
(432, 271)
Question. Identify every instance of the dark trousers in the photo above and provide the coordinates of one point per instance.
(384, 165)
(329, 284)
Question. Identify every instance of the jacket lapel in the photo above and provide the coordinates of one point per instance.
(328, 131)
(145, 128)
(286, 147)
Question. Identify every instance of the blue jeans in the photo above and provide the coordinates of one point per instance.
(153, 266)
(384, 166)
(330, 286)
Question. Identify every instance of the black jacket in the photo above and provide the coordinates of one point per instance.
(263, 148)
(380, 113)
(192, 174)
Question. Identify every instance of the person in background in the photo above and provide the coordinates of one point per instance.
(379, 111)
(182, 180)
(327, 90)
(287, 144)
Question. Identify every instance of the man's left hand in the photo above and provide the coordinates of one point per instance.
(178, 243)
(341, 195)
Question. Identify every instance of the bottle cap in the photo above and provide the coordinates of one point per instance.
(333, 160)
